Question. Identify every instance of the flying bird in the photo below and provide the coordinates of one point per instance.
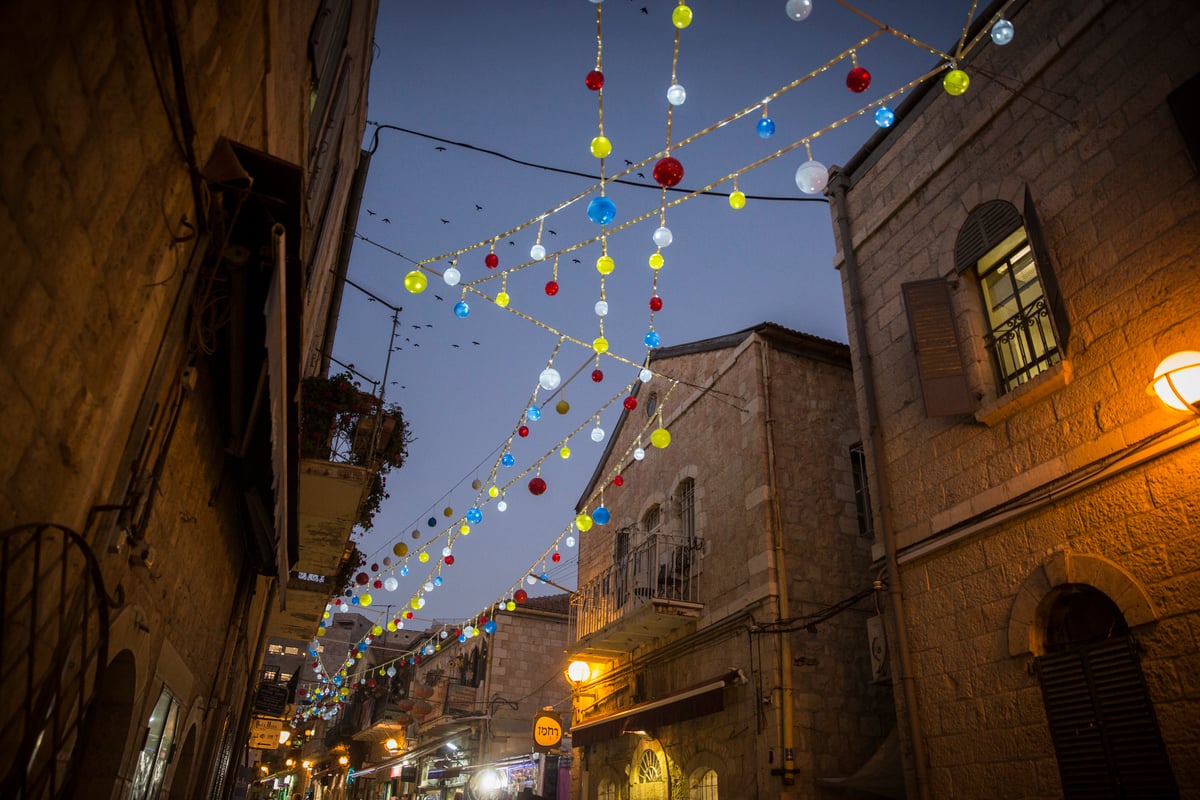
(428, 324)
(628, 163)
(645, 10)
(474, 342)
(439, 148)
(576, 260)
(453, 345)
(370, 212)
(552, 233)
(438, 296)
(418, 327)
(445, 222)
(385, 219)
(642, 175)
(511, 242)
(478, 207)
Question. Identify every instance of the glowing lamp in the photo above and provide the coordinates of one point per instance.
(579, 671)
(1177, 381)
(392, 745)
(284, 736)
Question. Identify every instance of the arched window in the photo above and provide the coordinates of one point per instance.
(652, 518)
(649, 768)
(607, 791)
(705, 788)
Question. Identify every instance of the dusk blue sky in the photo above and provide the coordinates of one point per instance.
(509, 77)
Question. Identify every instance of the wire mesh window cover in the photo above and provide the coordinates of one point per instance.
(607, 791)
(862, 491)
(649, 768)
(687, 508)
(1020, 337)
(1105, 734)
(706, 787)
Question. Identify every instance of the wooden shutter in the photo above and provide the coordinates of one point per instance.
(1102, 724)
(936, 346)
(1045, 268)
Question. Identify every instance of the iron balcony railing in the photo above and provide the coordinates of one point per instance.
(657, 567)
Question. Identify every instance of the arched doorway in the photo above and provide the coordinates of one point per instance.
(104, 745)
(183, 767)
(1106, 738)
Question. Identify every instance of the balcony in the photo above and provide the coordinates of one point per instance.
(647, 595)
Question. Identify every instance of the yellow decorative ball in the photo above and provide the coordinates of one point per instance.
(320, 631)
(956, 82)
(376, 629)
(600, 344)
(325, 615)
(510, 606)
(502, 299)
(415, 281)
(583, 522)
(605, 265)
(601, 147)
(423, 557)
(661, 438)
(656, 261)
(400, 549)
(415, 602)
(364, 600)
(493, 491)
(681, 17)
(464, 529)
(737, 200)
(391, 626)
(565, 452)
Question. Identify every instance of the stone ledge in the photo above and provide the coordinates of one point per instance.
(996, 411)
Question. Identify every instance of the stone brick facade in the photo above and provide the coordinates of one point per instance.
(1077, 479)
(119, 382)
(761, 428)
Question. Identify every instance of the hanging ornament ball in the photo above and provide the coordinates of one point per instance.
(533, 413)
(656, 261)
(502, 299)
(404, 571)
(565, 453)
(400, 549)
(493, 491)
(502, 506)
(532, 581)
(594, 80)
(601, 308)
(645, 375)
(638, 454)
(415, 281)
(884, 117)
(556, 557)
(583, 522)
(423, 557)
(676, 94)
(765, 128)
(476, 484)
(437, 580)
(461, 309)
(365, 600)
(448, 559)
(737, 200)
(618, 480)
(447, 512)
(630, 403)
(390, 583)
(507, 459)
(600, 345)
(811, 177)
(1002, 32)
(451, 276)
(537, 252)
(601, 146)
(377, 584)
(362, 578)
(549, 379)
(474, 515)
(597, 434)
(956, 82)
(601, 515)
(510, 605)
(652, 339)
(605, 265)
(489, 627)
(601, 210)
(681, 17)
(551, 288)
(464, 529)
(798, 10)
(523, 431)
(858, 80)
(597, 375)
(656, 303)
(387, 560)
(491, 260)
(662, 236)
(562, 406)
(520, 595)
(668, 171)
(661, 438)
(536, 486)
(570, 541)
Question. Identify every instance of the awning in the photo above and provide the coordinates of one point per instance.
(412, 755)
(706, 697)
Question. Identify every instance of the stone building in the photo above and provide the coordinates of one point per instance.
(172, 200)
(725, 582)
(1016, 260)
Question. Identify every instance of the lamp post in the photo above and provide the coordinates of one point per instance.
(1177, 381)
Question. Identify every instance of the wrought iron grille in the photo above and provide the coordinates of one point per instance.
(53, 652)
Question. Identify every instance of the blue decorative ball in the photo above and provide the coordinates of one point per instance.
(765, 127)
(601, 210)
(461, 309)
(474, 515)
(652, 339)
(533, 414)
(884, 117)
(601, 516)
(438, 580)
(507, 459)
(431, 522)
(489, 626)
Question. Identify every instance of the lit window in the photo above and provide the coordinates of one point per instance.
(649, 768)
(291, 651)
(274, 649)
(156, 751)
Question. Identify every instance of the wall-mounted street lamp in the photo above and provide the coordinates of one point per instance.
(1177, 381)
(392, 746)
(343, 760)
(578, 672)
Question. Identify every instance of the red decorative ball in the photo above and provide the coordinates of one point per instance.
(537, 486)
(408, 615)
(374, 568)
(618, 480)
(597, 375)
(594, 80)
(556, 558)
(630, 403)
(378, 584)
(520, 595)
(491, 260)
(656, 303)
(551, 288)
(362, 578)
(668, 171)
(448, 559)
(858, 79)
(523, 431)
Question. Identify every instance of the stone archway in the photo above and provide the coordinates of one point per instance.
(183, 767)
(649, 773)
(111, 713)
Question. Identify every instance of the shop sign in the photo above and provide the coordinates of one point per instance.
(547, 731)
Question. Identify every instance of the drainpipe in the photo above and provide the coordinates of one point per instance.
(775, 535)
(837, 190)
